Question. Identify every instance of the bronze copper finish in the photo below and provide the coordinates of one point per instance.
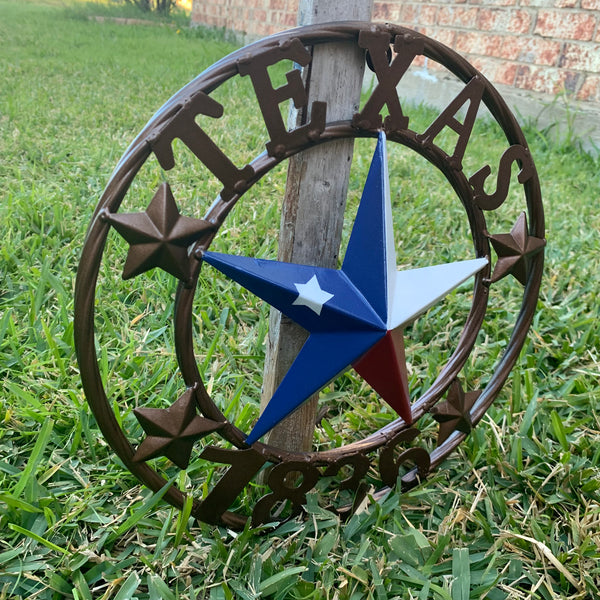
(515, 250)
(454, 414)
(161, 237)
(158, 237)
(172, 431)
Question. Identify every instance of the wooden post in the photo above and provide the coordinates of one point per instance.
(315, 199)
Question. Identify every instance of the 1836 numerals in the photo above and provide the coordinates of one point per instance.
(290, 481)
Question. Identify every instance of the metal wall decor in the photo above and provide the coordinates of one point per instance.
(355, 315)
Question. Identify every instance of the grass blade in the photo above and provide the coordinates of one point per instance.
(143, 510)
(37, 538)
(128, 588)
(461, 574)
(35, 458)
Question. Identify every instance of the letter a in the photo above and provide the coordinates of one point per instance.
(472, 93)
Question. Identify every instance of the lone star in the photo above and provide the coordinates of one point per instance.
(368, 304)
(172, 431)
(310, 294)
(158, 237)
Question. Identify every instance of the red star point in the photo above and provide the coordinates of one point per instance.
(384, 368)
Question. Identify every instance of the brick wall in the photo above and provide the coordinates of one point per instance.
(546, 46)
(252, 18)
(541, 45)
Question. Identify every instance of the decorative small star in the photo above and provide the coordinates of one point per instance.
(514, 250)
(159, 237)
(172, 431)
(310, 294)
(355, 316)
(454, 413)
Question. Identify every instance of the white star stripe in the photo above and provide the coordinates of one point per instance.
(310, 294)
(419, 289)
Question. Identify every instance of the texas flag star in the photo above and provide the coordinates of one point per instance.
(355, 315)
(310, 294)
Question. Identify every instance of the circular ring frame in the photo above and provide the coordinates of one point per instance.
(140, 150)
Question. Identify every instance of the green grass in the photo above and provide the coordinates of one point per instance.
(514, 513)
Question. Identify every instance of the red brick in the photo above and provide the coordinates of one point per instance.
(548, 80)
(290, 19)
(487, 19)
(508, 47)
(498, 19)
(470, 43)
(572, 80)
(388, 11)
(418, 61)
(443, 35)
(566, 25)
(430, 65)
(380, 12)
(549, 54)
(408, 14)
(520, 21)
(590, 90)
(495, 2)
(453, 16)
(427, 15)
(506, 73)
(525, 78)
(489, 45)
(422, 30)
(261, 28)
(581, 56)
(487, 66)
(397, 11)
(551, 3)
(539, 51)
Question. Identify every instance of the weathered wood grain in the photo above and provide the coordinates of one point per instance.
(315, 199)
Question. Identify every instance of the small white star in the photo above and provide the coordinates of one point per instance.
(310, 294)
